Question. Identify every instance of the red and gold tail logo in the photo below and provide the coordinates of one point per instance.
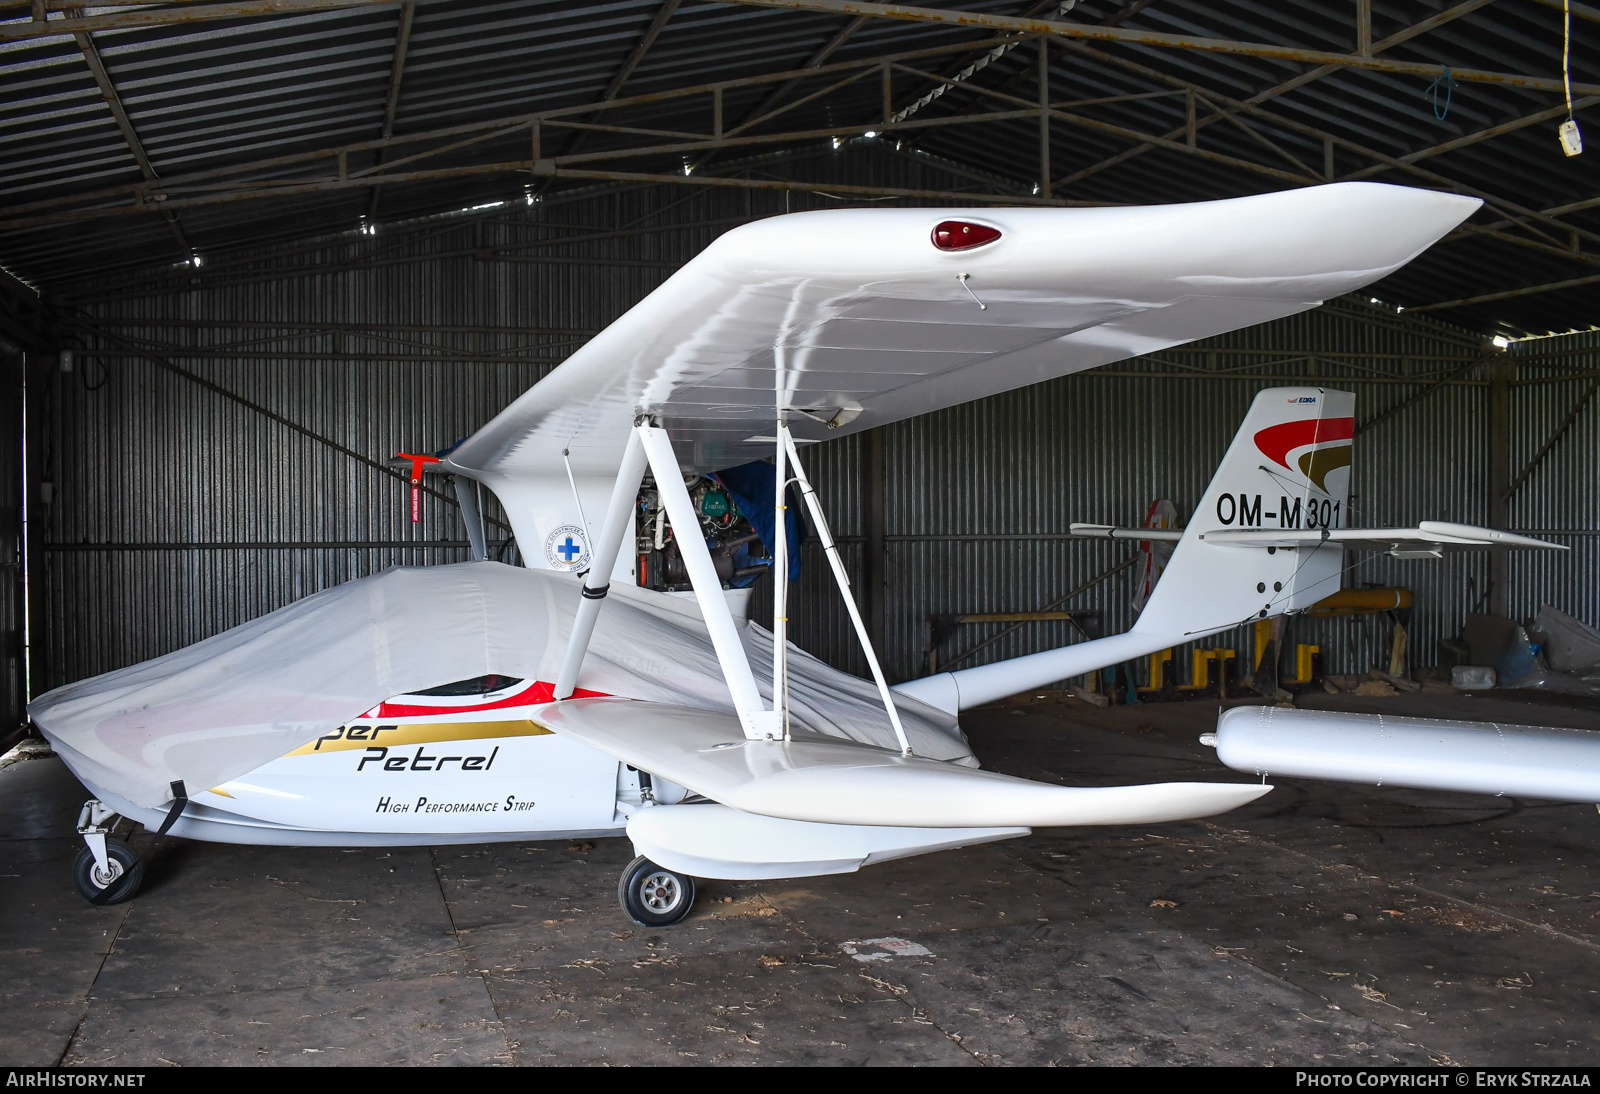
(1321, 444)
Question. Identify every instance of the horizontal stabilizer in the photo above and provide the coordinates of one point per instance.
(814, 778)
(1428, 539)
(1106, 531)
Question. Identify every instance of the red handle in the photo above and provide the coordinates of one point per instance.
(417, 464)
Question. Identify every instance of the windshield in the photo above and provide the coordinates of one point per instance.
(478, 685)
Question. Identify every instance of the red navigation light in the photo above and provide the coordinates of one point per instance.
(962, 235)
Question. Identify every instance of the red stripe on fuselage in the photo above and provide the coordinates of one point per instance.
(540, 692)
(1277, 441)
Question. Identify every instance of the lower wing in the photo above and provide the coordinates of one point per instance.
(815, 778)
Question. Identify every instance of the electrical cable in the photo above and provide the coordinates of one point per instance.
(1571, 138)
(1566, 52)
(83, 373)
(1433, 89)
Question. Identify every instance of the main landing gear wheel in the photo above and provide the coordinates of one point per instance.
(120, 880)
(654, 896)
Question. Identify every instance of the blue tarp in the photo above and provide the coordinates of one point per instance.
(752, 485)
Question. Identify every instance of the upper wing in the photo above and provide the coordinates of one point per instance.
(1429, 538)
(855, 318)
(842, 782)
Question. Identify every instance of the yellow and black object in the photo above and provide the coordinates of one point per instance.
(1210, 674)
(1163, 681)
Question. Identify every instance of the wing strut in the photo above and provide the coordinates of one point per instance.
(843, 579)
(780, 571)
(469, 492)
(597, 582)
(758, 722)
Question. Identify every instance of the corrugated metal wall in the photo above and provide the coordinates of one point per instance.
(182, 511)
(1561, 494)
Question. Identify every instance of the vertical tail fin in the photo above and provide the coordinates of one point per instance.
(1288, 467)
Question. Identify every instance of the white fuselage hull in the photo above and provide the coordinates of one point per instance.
(496, 775)
(459, 777)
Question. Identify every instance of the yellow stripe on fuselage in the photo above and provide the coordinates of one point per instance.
(371, 735)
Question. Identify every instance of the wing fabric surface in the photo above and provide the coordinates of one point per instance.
(813, 778)
(855, 310)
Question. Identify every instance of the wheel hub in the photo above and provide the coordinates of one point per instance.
(660, 892)
(104, 878)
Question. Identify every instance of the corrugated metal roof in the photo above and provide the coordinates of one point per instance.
(210, 94)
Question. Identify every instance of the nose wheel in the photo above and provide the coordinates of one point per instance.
(654, 896)
(112, 882)
(107, 870)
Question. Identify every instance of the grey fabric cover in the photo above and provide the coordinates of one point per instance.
(222, 707)
(1570, 645)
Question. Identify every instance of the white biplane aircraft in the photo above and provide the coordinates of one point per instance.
(720, 749)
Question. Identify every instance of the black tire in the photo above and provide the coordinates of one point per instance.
(127, 871)
(654, 896)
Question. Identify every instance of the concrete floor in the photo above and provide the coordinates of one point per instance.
(1324, 924)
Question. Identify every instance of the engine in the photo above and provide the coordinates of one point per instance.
(736, 550)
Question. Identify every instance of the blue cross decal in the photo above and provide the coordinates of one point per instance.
(569, 550)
